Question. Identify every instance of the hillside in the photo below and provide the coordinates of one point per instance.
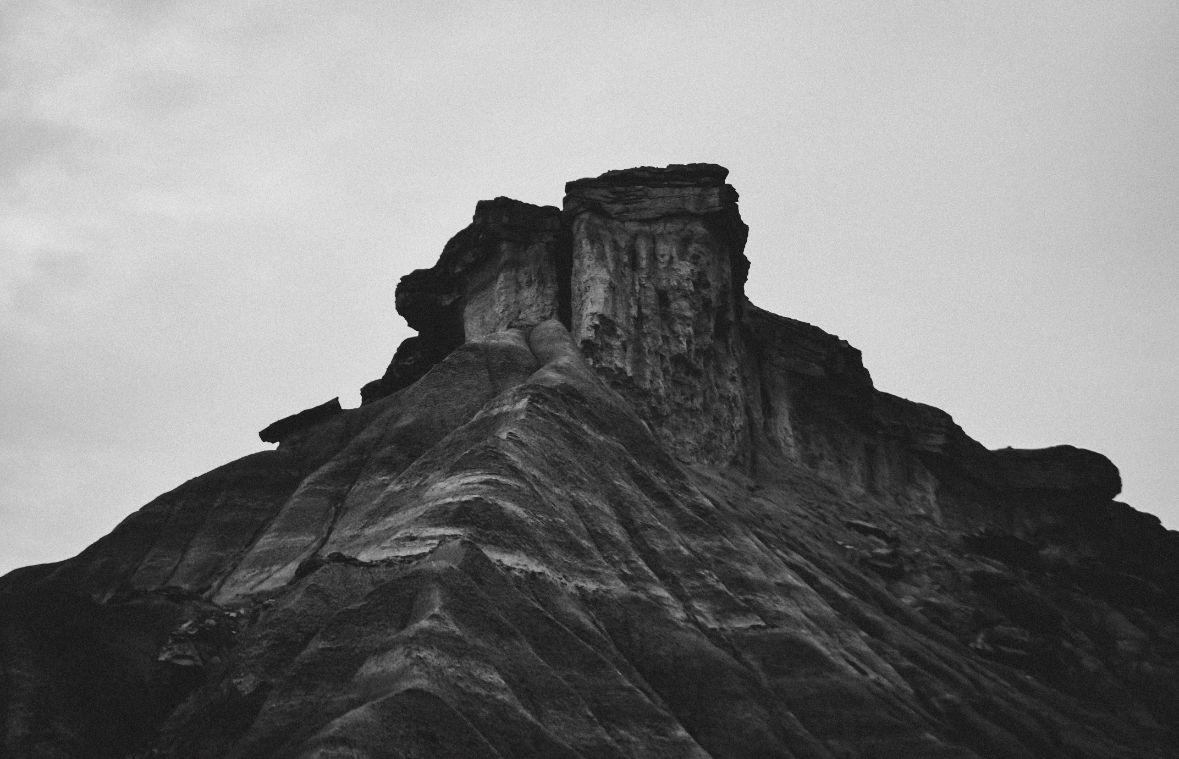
(603, 506)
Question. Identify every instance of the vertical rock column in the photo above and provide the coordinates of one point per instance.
(658, 270)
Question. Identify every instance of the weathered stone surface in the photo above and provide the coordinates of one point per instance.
(399, 430)
(413, 358)
(657, 288)
(499, 271)
(507, 269)
(664, 523)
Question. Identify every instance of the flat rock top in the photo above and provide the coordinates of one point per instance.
(648, 192)
(696, 174)
(506, 208)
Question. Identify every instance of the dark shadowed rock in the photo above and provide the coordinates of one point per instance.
(602, 506)
(285, 427)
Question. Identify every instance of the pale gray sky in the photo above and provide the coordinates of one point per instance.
(205, 207)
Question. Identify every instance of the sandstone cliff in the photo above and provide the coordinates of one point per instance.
(603, 506)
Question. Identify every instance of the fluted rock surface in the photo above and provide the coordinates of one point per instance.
(603, 506)
(656, 295)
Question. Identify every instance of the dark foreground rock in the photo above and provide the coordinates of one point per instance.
(602, 506)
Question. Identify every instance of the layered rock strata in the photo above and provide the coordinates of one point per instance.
(603, 506)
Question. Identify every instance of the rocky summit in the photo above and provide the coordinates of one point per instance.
(602, 506)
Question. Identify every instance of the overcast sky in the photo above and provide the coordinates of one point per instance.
(205, 207)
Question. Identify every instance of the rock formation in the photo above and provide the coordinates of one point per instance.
(603, 506)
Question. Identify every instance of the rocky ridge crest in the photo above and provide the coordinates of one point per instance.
(601, 505)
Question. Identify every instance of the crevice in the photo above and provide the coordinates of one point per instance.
(208, 517)
(216, 583)
(165, 528)
(338, 506)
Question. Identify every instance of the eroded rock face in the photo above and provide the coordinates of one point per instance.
(647, 269)
(508, 268)
(657, 289)
(602, 506)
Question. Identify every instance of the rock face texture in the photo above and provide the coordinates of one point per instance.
(603, 506)
(657, 287)
(508, 267)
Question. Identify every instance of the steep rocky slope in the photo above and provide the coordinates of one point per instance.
(603, 506)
